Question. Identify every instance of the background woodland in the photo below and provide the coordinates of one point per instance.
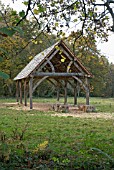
(16, 50)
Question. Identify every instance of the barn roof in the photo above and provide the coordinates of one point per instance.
(42, 56)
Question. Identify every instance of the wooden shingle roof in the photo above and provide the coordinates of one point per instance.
(42, 56)
(34, 63)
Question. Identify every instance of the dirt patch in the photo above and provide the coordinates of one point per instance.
(86, 115)
(73, 111)
(17, 106)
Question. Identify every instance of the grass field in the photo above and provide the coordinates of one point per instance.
(36, 140)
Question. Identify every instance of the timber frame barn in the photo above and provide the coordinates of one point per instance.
(58, 65)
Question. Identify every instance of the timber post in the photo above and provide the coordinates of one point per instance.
(20, 89)
(65, 92)
(17, 91)
(25, 92)
(75, 92)
(58, 91)
(30, 91)
(87, 91)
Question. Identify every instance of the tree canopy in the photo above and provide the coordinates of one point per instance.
(59, 13)
(56, 15)
(25, 34)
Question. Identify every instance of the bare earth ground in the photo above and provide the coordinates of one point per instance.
(48, 107)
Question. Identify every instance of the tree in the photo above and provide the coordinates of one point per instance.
(109, 91)
(17, 49)
(5, 31)
(86, 50)
(60, 13)
(54, 16)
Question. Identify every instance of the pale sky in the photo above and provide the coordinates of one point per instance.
(107, 48)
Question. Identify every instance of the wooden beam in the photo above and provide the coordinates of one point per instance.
(17, 91)
(82, 83)
(70, 84)
(42, 74)
(48, 59)
(75, 92)
(57, 86)
(87, 91)
(25, 92)
(20, 91)
(69, 65)
(65, 95)
(52, 82)
(51, 65)
(30, 91)
(87, 97)
(39, 82)
(71, 58)
(58, 91)
(74, 86)
(85, 86)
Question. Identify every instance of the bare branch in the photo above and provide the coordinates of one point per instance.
(27, 11)
(4, 19)
(111, 13)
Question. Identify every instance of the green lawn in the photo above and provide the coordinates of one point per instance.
(52, 142)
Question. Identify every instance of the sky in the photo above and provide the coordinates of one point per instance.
(106, 48)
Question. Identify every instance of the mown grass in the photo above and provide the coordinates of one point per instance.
(69, 139)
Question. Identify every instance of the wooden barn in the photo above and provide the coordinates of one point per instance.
(58, 65)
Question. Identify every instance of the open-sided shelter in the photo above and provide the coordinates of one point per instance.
(56, 63)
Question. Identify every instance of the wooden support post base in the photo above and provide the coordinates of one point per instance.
(60, 108)
(86, 108)
(87, 97)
